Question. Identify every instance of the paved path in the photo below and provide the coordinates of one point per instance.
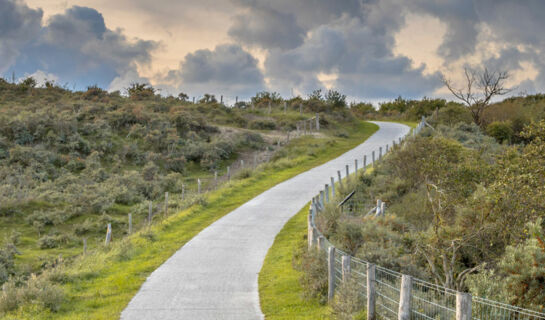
(214, 275)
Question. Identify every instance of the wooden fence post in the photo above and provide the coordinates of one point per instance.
(347, 172)
(269, 107)
(199, 185)
(317, 121)
(229, 173)
(108, 234)
(310, 228)
(371, 294)
(463, 306)
(326, 190)
(378, 208)
(255, 161)
(382, 208)
(285, 107)
(399, 140)
(356, 165)
(150, 209)
(130, 223)
(322, 196)
(331, 273)
(84, 246)
(379, 153)
(183, 191)
(241, 163)
(364, 162)
(340, 180)
(373, 158)
(166, 204)
(215, 178)
(332, 189)
(404, 312)
(321, 243)
(346, 269)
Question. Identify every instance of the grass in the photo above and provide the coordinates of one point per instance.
(279, 289)
(100, 285)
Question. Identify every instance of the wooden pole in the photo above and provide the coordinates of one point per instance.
(150, 212)
(463, 306)
(347, 172)
(346, 269)
(229, 173)
(183, 191)
(310, 230)
(321, 243)
(373, 158)
(340, 180)
(285, 107)
(356, 165)
(166, 204)
(404, 312)
(326, 190)
(364, 162)
(379, 153)
(330, 273)
(199, 185)
(84, 246)
(371, 294)
(130, 223)
(317, 122)
(108, 234)
(332, 188)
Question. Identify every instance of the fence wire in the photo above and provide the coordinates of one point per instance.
(428, 301)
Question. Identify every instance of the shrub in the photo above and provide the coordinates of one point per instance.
(313, 278)
(263, 124)
(500, 130)
(348, 302)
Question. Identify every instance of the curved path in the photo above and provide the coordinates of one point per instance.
(214, 275)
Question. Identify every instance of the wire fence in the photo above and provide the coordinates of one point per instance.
(427, 301)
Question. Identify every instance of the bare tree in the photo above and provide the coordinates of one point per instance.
(480, 89)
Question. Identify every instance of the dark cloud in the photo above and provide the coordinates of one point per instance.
(359, 50)
(268, 28)
(18, 25)
(227, 70)
(77, 47)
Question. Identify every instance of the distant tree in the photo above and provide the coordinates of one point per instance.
(182, 96)
(208, 98)
(479, 90)
(335, 99)
(28, 83)
(140, 91)
(264, 97)
(316, 95)
(399, 105)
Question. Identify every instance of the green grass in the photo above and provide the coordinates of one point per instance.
(100, 285)
(279, 289)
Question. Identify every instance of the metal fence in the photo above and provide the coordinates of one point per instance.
(426, 301)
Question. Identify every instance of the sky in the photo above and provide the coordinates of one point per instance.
(370, 50)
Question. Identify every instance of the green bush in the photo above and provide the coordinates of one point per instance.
(500, 130)
(312, 264)
(348, 303)
(262, 124)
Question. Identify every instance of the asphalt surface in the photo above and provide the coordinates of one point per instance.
(214, 275)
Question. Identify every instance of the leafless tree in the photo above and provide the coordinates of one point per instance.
(480, 89)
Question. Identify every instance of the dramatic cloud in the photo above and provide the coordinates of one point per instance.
(283, 45)
(227, 70)
(267, 28)
(358, 51)
(77, 48)
(18, 25)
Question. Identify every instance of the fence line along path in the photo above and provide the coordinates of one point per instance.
(214, 275)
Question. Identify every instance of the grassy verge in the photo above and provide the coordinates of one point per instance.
(99, 285)
(279, 289)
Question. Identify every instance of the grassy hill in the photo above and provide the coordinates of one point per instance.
(72, 162)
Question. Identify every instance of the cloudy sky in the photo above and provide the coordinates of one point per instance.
(368, 49)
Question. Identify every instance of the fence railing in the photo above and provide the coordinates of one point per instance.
(392, 295)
